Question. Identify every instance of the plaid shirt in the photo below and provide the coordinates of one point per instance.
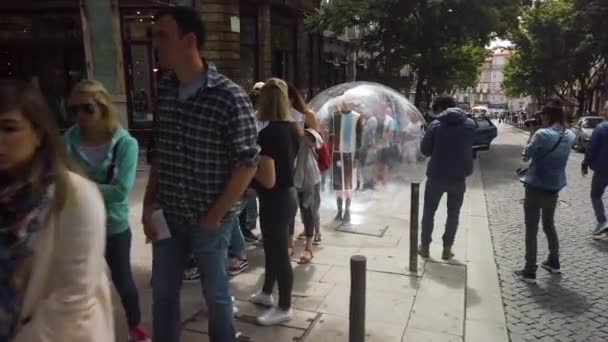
(200, 142)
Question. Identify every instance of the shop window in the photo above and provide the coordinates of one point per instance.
(283, 51)
(140, 66)
(141, 85)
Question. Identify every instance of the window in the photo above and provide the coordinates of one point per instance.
(140, 67)
(141, 84)
(483, 123)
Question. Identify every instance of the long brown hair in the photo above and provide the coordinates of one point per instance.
(51, 155)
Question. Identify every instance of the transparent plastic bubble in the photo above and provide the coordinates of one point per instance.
(381, 110)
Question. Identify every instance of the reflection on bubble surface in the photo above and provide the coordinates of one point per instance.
(382, 109)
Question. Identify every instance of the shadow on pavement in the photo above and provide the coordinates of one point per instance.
(510, 160)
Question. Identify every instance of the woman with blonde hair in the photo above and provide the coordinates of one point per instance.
(274, 182)
(53, 281)
(108, 154)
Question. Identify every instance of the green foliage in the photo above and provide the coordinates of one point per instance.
(561, 51)
(442, 40)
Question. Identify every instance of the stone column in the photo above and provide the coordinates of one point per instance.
(103, 49)
(264, 41)
(223, 47)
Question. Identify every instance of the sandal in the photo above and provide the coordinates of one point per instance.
(291, 251)
(304, 258)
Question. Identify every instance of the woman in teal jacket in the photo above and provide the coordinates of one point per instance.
(108, 154)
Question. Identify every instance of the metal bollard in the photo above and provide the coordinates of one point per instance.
(414, 206)
(358, 269)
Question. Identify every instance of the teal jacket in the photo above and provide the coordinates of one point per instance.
(116, 193)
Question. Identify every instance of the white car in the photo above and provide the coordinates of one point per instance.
(583, 129)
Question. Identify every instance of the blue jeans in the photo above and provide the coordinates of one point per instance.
(432, 196)
(210, 251)
(540, 204)
(598, 187)
(118, 257)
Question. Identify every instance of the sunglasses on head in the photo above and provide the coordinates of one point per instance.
(86, 108)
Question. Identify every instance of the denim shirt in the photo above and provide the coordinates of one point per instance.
(548, 172)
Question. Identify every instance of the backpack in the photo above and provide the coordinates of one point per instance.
(323, 158)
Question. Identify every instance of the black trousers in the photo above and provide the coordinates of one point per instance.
(277, 211)
(118, 257)
(537, 204)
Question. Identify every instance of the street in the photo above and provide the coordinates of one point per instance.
(572, 307)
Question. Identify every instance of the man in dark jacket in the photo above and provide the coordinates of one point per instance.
(596, 158)
(449, 144)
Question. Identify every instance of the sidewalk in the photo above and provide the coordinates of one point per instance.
(456, 301)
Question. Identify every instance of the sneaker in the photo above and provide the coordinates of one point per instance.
(317, 240)
(137, 334)
(301, 236)
(447, 253)
(601, 235)
(237, 266)
(550, 269)
(600, 228)
(192, 274)
(250, 236)
(526, 277)
(262, 299)
(275, 316)
(423, 251)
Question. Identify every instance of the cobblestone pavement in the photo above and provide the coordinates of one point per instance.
(571, 307)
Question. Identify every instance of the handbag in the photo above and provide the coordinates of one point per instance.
(522, 171)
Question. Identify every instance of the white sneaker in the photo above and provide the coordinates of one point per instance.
(600, 227)
(263, 299)
(275, 316)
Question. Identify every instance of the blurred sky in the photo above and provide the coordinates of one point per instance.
(500, 42)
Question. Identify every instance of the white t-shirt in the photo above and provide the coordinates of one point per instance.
(297, 116)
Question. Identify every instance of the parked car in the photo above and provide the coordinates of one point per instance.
(484, 135)
(583, 129)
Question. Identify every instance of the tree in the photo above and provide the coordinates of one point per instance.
(432, 36)
(557, 53)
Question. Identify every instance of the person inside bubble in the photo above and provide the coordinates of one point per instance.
(346, 132)
(368, 153)
(386, 130)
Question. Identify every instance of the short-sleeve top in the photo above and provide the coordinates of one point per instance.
(279, 141)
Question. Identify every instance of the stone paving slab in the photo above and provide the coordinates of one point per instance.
(427, 305)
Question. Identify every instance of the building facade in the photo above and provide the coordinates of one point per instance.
(57, 43)
(489, 91)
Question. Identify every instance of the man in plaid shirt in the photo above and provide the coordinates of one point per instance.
(207, 154)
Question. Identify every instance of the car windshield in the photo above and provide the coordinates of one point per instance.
(591, 123)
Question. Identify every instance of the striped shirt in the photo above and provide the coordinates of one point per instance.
(201, 140)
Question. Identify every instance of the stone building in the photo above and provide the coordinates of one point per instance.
(56, 43)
